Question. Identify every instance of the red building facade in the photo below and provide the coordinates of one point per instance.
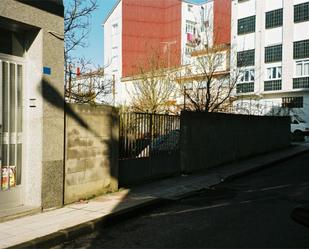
(155, 30)
(150, 29)
(222, 22)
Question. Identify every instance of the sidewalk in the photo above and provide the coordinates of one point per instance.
(48, 229)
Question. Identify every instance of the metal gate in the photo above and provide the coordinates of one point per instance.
(11, 109)
(148, 147)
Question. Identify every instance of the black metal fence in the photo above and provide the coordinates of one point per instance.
(144, 135)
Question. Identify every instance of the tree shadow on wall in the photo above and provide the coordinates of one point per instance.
(121, 199)
(91, 148)
(53, 97)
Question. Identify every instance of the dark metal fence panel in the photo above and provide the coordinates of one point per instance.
(144, 135)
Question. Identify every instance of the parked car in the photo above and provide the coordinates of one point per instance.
(299, 127)
(162, 144)
(167, 142)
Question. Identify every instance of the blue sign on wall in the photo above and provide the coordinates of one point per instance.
(47, 70)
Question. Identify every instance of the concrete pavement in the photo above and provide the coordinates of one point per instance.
(51, 228)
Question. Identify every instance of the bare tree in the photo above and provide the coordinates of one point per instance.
(153, 89)
(208, 84)
(77, 24)
(84, 81)
(88, 85)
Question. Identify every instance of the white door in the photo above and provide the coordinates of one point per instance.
(11, 123)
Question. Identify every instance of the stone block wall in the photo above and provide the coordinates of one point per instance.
(91, 161)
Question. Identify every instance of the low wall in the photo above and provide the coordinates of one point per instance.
(91, 165)
(140, 170)
(211, 139)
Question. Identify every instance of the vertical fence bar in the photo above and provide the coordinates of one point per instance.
(125, 134)
(137, 135)
(146, 134)
(121, 145)
(129, 135)
(143, 144)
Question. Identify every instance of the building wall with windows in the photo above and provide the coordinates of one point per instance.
(271, 42)
(113, 48)
(172, 29)
(197, 28)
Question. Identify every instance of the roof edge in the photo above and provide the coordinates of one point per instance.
(111, 12)
(184, 1)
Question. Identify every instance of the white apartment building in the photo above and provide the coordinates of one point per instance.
(196, 28)
(271, 42)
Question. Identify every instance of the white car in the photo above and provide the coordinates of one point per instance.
(299, 127)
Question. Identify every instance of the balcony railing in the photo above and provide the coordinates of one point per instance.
(245, 87)
(301, 82)
(272, 85)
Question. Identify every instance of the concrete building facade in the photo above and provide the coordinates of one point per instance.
(32, 104)
(136, 30)
(271, 41)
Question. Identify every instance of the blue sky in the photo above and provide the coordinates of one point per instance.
(95, 40)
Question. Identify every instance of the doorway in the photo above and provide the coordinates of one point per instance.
(11, 130)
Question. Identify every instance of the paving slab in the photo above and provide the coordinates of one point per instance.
(51, 228)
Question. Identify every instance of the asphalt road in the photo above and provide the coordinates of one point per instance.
(249, 212)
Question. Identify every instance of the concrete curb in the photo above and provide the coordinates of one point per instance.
(74, 232)
(265, 165)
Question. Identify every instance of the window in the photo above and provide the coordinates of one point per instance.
(190, 7)
(301, 12)
(115, 28)
(246, 58)
(274, 19)
(301, 49)
(293, 102)
(190, 27)
(302, 74)
(273, 53)
(246, 25)
(246, 75)
(189, 50)
(114, 51)
(11, 43)
(246, 81)
(273, 79)
(302, 68)
(274, 73)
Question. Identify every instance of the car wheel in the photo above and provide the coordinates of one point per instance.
(299, 135)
